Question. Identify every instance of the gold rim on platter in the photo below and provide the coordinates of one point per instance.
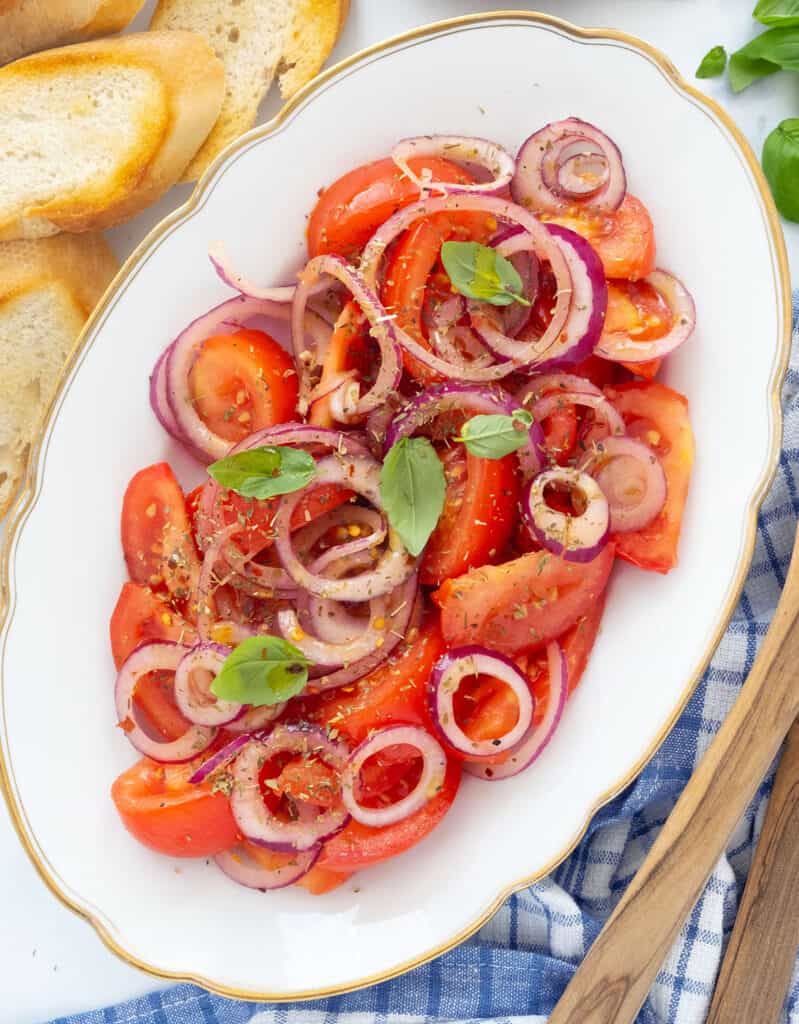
(28, 491)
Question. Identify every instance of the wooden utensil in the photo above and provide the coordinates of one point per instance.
(613, 980)
(758, 964)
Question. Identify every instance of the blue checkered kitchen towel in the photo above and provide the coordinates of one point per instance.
(515, 969)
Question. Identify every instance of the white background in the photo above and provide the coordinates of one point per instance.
(51, 963)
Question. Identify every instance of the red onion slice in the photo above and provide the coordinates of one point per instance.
(162, 656)
(516, 316)
(603, 409)
(470, 398)
(404, 604)
(533, 745)
(218, 760)
(193, 696)
(575, 168)
(588, 306)
(447, 676)
(351, 645)
(159, 402)
(241, 867)
(361, 474)
(578, 538)
(631, 478)
(220, 260)
(304, 435)
(545, 248)
(390, 369)
(181, 354)
(256, 718)
(254, 818)
(620, 347)
(370, 523)
(434, 769)
(210, 520)
(541, 384)
(462, 148)
(569, 163)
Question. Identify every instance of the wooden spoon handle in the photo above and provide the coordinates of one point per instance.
(620, 968)
(757, 967)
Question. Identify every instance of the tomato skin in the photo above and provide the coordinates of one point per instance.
(478, 518)
(350, 210)
(517, 607)
(578, 642)
(258, 516)
(394, 692)
(407, 281)
(243, 382)
(348, 337)
(139, 616)
(624, 240)
(156, 532)
(639, 311)
(359, 846)
(320, 880)
(658, 415)
(600, 372)
(160, 809)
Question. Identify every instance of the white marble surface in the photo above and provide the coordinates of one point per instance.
(51, 963)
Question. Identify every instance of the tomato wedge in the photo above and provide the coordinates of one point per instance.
(624, 239)
(256, 517)
(140, 615)
(243, 382)
(359, 846)
(519, 606)
(658, 416)
(394, 692)
(639, 311)
(345, 351)
(161, 809)
(407, 282)
(349, 211)
(154, 700)
(157, 539)
(478, 518)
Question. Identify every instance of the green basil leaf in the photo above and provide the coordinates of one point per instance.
(493, 437)
(772, 50)
(412, 486)
(264, 472)
(713, 63)
(777, 12)
(262, 670)
(479, 272)
(781, 167)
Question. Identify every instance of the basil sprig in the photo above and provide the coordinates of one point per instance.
(494, 436)
(781, 166)
(262, 670)
(713, 63)
(479, 272)
(773, 50)
(412, 486)
(777, 12)
(264, 472)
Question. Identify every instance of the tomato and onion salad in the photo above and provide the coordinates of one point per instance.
(394, 570)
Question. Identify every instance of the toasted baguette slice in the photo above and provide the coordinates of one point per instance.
(48, 288)
(30, 25)
(256, 40)
(91, 134)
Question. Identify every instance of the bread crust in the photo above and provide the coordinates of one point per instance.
(294, 51)
(30, 25)
(187, 90)
(73, 272)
